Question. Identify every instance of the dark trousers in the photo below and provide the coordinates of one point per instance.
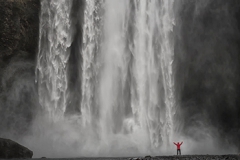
(179, 151)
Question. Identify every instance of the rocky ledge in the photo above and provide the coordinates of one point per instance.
(11, 149)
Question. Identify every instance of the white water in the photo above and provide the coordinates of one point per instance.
(153, 69)
(55, 38)
(127, 104)
(91, 35)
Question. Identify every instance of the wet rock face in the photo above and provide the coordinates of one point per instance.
(19, 22)
(207, 69)
(11, 149)
(19, 27)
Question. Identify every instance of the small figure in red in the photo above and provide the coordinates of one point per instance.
(178, 147)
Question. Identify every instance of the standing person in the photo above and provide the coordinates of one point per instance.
(178, 147)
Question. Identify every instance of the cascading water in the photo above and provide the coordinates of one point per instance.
(91, 37)
(127, 79)
(54, 42)
(153, 55)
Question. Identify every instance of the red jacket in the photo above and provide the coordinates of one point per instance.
(178, 144)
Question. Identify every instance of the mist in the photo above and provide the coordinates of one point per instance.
(18, 97)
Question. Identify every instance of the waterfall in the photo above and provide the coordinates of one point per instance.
(153, 54)
(90, 49)
(54, 41)
(127, 81)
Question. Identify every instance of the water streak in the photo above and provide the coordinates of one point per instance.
(55, 40)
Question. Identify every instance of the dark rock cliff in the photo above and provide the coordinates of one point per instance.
(19, 20)
(207, 69)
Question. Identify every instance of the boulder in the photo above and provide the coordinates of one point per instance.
(11, 149)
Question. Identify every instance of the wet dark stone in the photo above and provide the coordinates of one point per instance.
(11, 149)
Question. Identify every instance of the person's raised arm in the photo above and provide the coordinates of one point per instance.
(181, 143)
(174, 143)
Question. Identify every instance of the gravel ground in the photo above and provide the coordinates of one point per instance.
(183, 157)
